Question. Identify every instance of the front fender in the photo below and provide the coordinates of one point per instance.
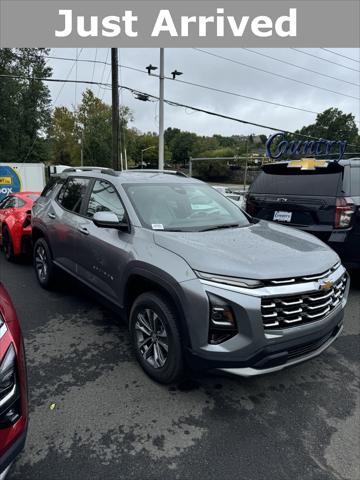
(15, 230)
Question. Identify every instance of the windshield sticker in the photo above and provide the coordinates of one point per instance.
(157, 226)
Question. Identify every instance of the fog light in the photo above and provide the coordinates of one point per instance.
(222, 321)
(12, 416)
(222, 317)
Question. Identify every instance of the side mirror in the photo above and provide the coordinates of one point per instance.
(109, 220)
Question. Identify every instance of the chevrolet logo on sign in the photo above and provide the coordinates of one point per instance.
(308, 164)
(326, 286)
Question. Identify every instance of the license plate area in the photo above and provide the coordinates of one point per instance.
(281, 216)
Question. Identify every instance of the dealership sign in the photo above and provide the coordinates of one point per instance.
(9, 181)
(277, 146)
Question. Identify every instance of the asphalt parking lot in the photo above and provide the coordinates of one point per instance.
(112, 422)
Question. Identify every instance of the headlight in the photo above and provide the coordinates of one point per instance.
(9, 398)
(234, 281)
(7, 374)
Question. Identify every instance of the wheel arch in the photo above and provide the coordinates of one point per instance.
(38, 232)
(15, 238)
(140, 281)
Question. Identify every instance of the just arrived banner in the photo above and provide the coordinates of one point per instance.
(179, 23)
(165, 25)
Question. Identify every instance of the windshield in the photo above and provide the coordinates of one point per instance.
(33, 197)
(183, 207)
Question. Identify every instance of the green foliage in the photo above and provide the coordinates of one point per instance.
(211, 170)
(182, 145)
(333, 124)
(219, 152)
(90, 124)
(64, 137)
(24, 105)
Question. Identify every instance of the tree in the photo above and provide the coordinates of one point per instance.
(91, 125)
(333, 124)
(24, 105)
(64, 137)
(182, 146)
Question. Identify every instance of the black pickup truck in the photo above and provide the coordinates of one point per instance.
(320, 197)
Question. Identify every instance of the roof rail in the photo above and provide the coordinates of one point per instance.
(148, 170)
(105, 170)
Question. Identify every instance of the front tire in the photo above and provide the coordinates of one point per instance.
(44, 267)
(156, 338)
(8, 245)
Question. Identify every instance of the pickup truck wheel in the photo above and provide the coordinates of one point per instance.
(44, 267)
(156, 338)
(8, 245)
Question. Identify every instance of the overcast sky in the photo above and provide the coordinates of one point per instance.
(201, 68)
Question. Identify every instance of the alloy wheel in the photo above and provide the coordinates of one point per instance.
(152, 338)
(41, 263)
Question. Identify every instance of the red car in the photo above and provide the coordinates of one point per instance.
(15, 223)
(13, 385)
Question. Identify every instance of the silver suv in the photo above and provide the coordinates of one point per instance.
(200, 282)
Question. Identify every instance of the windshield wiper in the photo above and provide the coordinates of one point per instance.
(218, 227)
(173, 230)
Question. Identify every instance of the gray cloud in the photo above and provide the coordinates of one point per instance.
(214, 72)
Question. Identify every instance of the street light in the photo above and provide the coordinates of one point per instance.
(142, 154)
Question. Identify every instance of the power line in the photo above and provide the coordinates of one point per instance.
(67, 77)
(324, 59)
(53, 103)
(76, 76)
(340, 55)
(105, 63)
(104, 88)
(300, 67)
(210, 88)
(94, 62)
(171, 103)
(275, 74)
(235, 94)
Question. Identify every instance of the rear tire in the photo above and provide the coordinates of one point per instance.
(156, 338)
(8, 245)
(43, 264)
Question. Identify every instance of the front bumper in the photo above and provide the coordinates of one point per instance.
(10, 455)
(319, 347)
(255, 350)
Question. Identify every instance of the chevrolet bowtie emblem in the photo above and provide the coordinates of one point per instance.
(326, 286)
(308, 164)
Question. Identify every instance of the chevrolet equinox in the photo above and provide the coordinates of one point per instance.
(200, 283)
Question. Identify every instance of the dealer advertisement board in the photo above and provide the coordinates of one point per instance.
(20, 177)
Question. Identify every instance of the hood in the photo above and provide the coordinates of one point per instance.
(261, 251)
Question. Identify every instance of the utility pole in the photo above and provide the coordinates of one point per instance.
(115, 108)
(82, 149)
(161, 112)
(246, 162)
(151, 68)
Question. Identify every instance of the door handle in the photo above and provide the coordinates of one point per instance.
(52, 215)
(84, 231)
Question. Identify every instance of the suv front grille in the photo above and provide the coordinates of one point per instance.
(289, 311)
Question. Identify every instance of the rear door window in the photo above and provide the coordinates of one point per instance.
(73, 193)
(51, 184)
